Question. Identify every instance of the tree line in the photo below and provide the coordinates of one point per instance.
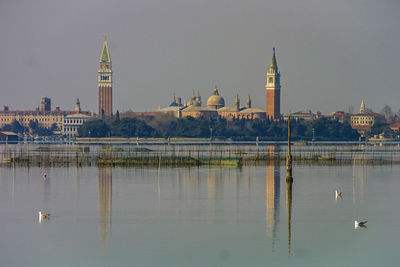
(164, 126)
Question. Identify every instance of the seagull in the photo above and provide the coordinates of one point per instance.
(43, 216)
(360, 224)
(338, 194)
(44, 175)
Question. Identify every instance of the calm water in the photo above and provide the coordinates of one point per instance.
(199, 216)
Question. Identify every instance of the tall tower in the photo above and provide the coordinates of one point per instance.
(45, 104)
(105, 81)
(273, 90)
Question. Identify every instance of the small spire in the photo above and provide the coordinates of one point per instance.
(216, 91)
(273, 64)
(105, 37)
(249, 102)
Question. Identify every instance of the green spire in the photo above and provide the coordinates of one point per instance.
(105, 54)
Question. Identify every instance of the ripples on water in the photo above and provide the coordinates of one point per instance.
(199, 216)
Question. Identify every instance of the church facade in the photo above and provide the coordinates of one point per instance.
(215, 106)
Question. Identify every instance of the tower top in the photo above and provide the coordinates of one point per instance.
(105, 54)
(249, 102)
(273, 64)
(362, 106)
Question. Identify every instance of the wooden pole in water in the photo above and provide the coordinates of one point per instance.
(289, 177)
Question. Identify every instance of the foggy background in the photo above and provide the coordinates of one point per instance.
(331, 54)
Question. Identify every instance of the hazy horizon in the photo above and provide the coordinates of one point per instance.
(331, 54)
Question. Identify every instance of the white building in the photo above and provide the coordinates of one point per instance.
(72, 123)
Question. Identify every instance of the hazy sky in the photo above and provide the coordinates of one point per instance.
(331, 54)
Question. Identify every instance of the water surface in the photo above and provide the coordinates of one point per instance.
(199, 216)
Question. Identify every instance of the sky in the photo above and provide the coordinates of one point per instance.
(331, 54)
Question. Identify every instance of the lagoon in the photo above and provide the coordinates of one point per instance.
(201, 216)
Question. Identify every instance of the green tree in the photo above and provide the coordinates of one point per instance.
(94, 128)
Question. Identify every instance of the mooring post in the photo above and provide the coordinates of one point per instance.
(289, 177)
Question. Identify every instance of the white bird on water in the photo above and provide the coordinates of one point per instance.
(338, 194)
(43, 216)
(360, 224)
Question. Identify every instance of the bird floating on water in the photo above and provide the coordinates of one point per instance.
(360, 224)
(44, 175)
(43, 216)
(338, 194)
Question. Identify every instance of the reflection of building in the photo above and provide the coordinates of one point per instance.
(272, 196)
(273, 90)
(105, 198)
(105, 81)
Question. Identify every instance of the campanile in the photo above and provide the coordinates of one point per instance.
(105, 81)
(273, 90)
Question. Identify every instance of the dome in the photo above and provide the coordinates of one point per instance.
(215, 101)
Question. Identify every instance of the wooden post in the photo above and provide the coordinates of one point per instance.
(289, 177)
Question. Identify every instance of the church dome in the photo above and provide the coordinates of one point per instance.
(215, 101)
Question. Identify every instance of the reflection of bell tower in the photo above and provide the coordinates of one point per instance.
(272, 196)
(105, 81)
(273, 90)
(105, 197)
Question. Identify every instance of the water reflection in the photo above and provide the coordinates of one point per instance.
(45, 178)
(272, 196)
(105, 198)
(359, 178)
(289, 213)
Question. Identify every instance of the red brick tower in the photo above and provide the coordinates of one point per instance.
(273, 90)
(105, 81)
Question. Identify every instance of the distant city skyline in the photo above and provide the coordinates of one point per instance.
(331, 55)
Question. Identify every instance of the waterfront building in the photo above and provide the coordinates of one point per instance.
(8, 137)
(72, 123)
(105, 81)
(45, 118)
(273, 90)
(241, 112)
(365, 119)
(215, 108)
(340, 116)
(302, 114)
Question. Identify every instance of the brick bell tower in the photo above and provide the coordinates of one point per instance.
(105, 81)
(273, 90)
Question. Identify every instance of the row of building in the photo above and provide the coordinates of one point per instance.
(65, 122)
(68, 122)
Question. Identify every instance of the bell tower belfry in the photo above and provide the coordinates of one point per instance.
(273, 90)
(105, 81)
